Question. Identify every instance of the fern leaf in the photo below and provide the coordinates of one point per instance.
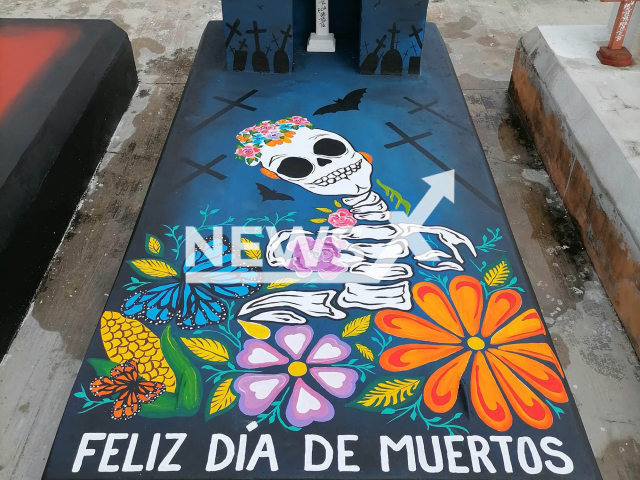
(356, 327)
(365, 351)
(152, 268)
(498, 275)
(390, 392)
(282, 283)
(222, 398)
(207, 349)
(253, 251)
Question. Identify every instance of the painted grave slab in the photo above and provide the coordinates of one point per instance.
(64, 85)
(394, 334)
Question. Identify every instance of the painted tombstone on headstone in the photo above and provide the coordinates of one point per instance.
(400, 21)
(258, 35)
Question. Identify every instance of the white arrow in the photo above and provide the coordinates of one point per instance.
(442, 186)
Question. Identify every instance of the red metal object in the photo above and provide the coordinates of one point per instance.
(615, 54)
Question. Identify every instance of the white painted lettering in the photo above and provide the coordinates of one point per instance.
(128, 465)
(166, 465)
(437, 454)
(109, 452)
(309, 466)
(480, 455)
(264, 449)
(242, 451)
(83, 451)
(153, 453)
(343, 454)
(405, 442)
(568, 463)
(212, 466)
(453, 454)
(504, 441)
(522, 456)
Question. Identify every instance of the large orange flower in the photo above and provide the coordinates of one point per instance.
(465, 331)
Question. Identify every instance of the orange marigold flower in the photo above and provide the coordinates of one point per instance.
(484, 337)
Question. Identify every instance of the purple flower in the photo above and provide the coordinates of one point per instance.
(322, 256)
(259, 390)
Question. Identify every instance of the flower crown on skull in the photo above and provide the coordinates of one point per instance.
(252, 140)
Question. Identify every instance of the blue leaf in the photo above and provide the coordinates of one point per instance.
(388, 411)
(414, 415)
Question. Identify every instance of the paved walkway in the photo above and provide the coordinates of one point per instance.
(37, 374)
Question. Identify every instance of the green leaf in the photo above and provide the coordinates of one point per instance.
(102, 367)
(394, 195)
(185, 402)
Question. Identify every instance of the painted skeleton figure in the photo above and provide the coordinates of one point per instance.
(326, 164)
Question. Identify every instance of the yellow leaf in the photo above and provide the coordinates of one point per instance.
(324, 210)
(365, 351)
(319, 220)
(337, 203)
(255, 330)
(391, 392)
(253, 251)
(356, 327)
(154, 268)
(498, 275)
(282, 283)
(222, 398)
(154, 245)
(207, 349)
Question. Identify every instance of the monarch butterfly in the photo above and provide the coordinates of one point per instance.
(132, 388)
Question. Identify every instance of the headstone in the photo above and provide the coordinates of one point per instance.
(402, 21)
(322, 40)
(64, 86)
(249, 29)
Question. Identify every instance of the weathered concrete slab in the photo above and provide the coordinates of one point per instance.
(64, 85)
(201, 364)
(582, 116)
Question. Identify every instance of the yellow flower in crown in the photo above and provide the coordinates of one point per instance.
(491, 342)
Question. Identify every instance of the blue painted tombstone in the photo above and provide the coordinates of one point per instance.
(258, 35)
(391, 36)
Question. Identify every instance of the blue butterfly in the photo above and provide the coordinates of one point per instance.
(196, 305)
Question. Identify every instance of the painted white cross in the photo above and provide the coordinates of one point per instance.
(322, 40)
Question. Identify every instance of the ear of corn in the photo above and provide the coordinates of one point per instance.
(127, 339)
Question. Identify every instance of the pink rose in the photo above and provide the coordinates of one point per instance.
(247, 152)
(297, 120)
(342, 218)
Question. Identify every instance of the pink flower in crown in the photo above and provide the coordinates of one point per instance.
(265, 128)
(342, 218)
(259, 390)
(248, 151)
(300, 121)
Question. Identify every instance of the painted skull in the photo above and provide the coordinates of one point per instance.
(321, 162)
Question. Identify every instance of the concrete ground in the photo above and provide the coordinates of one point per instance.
(37, 374)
